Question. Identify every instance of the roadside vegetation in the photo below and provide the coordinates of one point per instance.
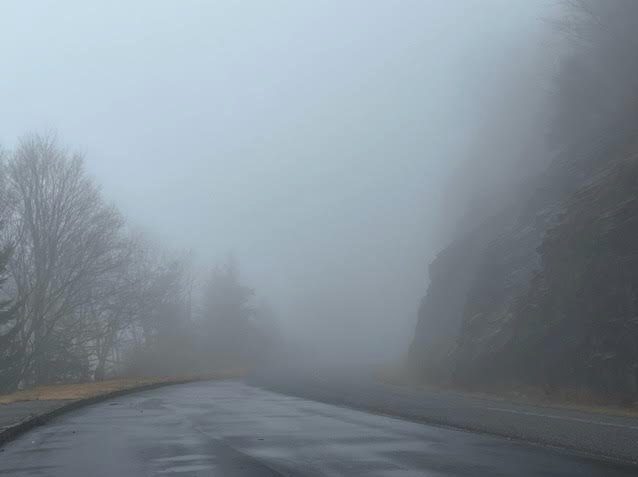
(84, 298)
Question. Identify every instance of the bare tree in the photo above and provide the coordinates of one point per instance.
(117, 307)
(67, 240)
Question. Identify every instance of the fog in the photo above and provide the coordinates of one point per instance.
(325, 144)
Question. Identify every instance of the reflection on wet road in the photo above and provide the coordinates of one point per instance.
(231, 429)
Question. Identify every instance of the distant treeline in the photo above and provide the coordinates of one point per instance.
(84, 297)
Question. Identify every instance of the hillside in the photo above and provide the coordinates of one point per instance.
(543, 293)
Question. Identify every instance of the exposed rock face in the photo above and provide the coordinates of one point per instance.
(452, 274)
(545, 294)
(577, 325)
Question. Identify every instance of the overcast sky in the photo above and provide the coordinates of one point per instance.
(312, 138)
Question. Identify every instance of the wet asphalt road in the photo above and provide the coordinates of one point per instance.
(231, 429)
(598, 434)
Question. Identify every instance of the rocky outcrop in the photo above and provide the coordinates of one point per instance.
(547, 293)
(577, 325)
(452, 274)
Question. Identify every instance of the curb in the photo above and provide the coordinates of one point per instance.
(12, 432)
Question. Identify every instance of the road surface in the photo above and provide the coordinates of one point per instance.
(231, 429)
(594, 433)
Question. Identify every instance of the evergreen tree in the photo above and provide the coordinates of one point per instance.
(228, 314)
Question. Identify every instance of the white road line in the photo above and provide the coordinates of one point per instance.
(564, 418)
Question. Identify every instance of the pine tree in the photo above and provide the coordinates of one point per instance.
(228, 314)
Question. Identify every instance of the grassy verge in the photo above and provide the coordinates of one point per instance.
(398, 376)
(88, 390)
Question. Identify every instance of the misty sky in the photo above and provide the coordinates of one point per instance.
(313, 139)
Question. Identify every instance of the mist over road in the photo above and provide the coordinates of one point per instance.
(233, 429)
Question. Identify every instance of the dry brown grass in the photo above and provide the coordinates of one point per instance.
(515, 393)
(86, 390)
